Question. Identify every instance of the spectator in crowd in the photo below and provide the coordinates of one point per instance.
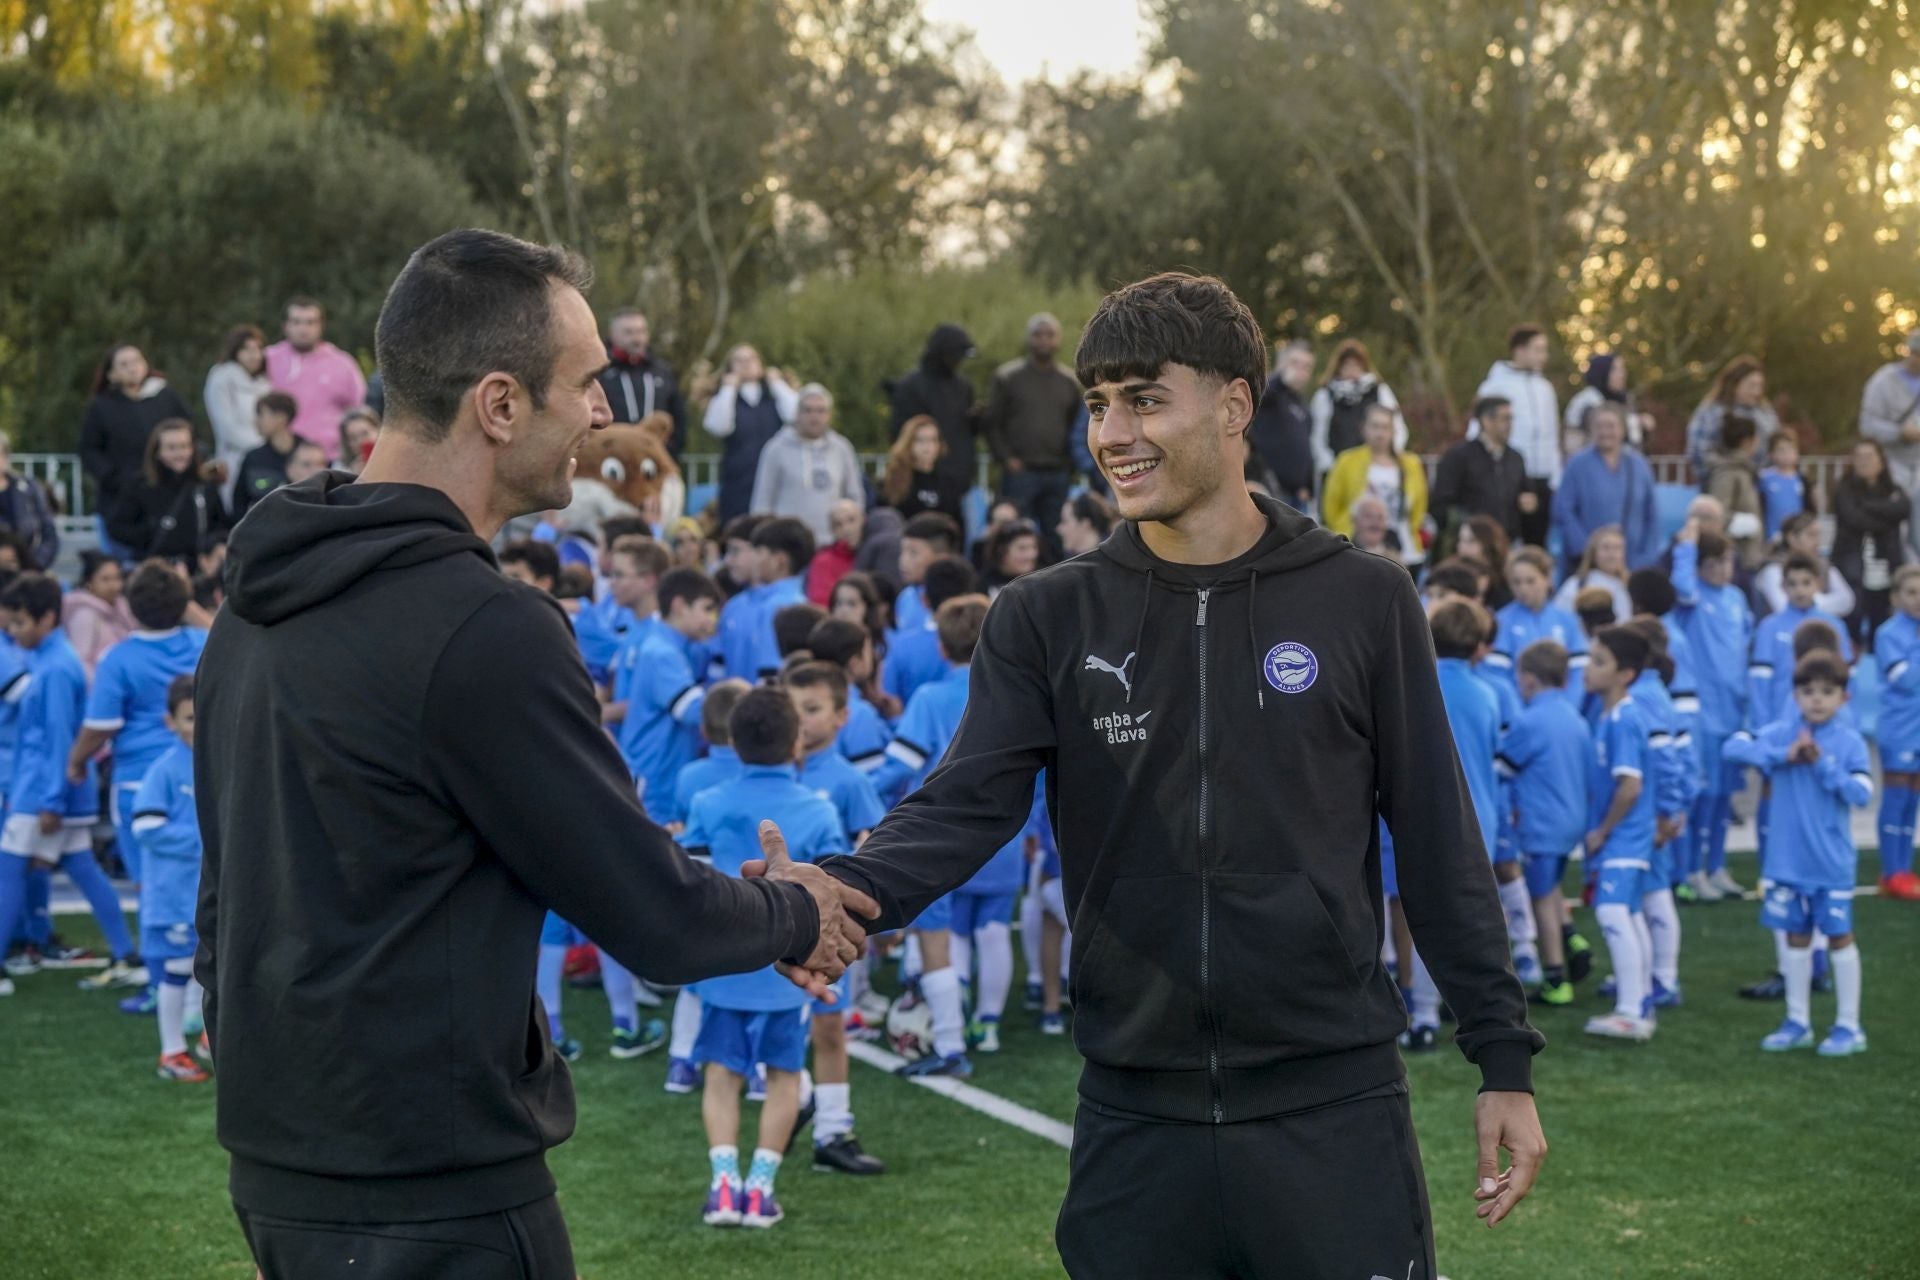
(359, 432)
(1783, 490)
(1800, 536)
(323, 380)
(1602, 567)
(936, 389)
(1484, 540)
(1605, 382)
(1378, 467)
(1522, 381)
(808, 467)
(858, 597)
(637, 382)
(915, 479)
(95, 613)
(1740, 389)
(1890, 414)
(1085, 522)
(1339, 408)
(846, 526)
(1282, 428)
(1083, 462)
(1733, 480)
(25, 512)
(174, 507)
(1372, 527)
(308, 461)
(1012, 551)
(1029, 416)
(264, 468)
(688, 543)
(1607, 484)
(233, 387)
(129, 400)
(1868, 510)
(1483, 475)
(1254, 469)
(748, 410)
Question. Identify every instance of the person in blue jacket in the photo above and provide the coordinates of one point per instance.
(1532, 616)
(1770, 674)
(1607, 483)
(849, 646)
(168, 829)
(1717, 621)
(983, 927)
(913, 655)
(1896, 647)
(1620, 844)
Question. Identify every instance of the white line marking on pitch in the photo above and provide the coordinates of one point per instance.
(989, 1104)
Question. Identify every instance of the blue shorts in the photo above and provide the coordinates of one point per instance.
(1624, 884)
(1830, 911)
(1545, 871)
(820, 1008)
(167, 941)
(738, 1038)
(555, 932)
(1903, 761)
(937, 915)
(971, 911)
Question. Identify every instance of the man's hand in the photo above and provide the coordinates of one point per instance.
(842, 940)
(1506, 1121)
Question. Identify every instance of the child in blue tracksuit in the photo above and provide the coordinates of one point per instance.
(1714, 616)
(1896, 647)
(1675, 787)
(1770, 674)
(168, 829)
(782, 550)
(1509, 874)
(1548, 754)
(819, 693)
(1620, 844)
(1532, 616)
(849, 646)
(1818, 764)
(758, 1017)
(983, 929)
(913, 655)
(50, 816)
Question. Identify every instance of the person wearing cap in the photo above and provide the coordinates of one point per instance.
(1890, 413)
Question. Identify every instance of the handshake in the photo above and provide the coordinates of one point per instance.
(842, 940)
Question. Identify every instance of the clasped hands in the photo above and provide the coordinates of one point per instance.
(842, 940)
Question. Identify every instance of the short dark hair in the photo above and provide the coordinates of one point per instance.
(794, 624)
(1459, 629)
(303, 302)
(467, 304)
(1797, 563)
(541, 559)
(157, 595)
(1628, 647)
(647, 555)
(614, 528)
(179, 690)
(1173, 318)
(1822, 666)
(1737, 430)
(690, 585)
(1815, 636)
(838, 641)
(1547, 662)
(278, 402)
(1456, 577)
(574, 582)
(34, 594)
(948, 578)
(740, 529)
(1651, 591)
(764, 727)
(1520, 335)
(935, 528)
(237, 337)
(789, 537)
(718, 707)
(1783, 436)
(1487, 404)
(1654, 632)
(1091, 508)
(1713, 545)
(1594, 607)
(814, 675)
(958, 623)
(92, 561)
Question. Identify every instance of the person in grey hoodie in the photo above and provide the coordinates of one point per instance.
(807, 467)
(1890, 414)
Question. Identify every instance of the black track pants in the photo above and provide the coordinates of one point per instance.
(527, 1243)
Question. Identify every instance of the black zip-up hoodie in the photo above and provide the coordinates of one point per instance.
(380, 853)
(1217, 741)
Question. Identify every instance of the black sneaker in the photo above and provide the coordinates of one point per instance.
(1771, 987)
(1579, 955)
(800, 1122)
(1420, 1039)
(843, 1155)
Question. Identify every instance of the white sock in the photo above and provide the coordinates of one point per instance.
(686, 1025)
(910, 964)
(1663, 922)
(857, 982)
(941, 989)
(1623, 947)
(1780, 949)
(1644, 936)
(172, 998)
(1426, 994)
(806, 1084)
(1798, 971)
(1846, 985)
(1053, 900)
(1030, 913)
(1520, 927)
(960, 954)
(832, 1112)
(995, 947)
(196, 999)
(1389, 954)
(619, 985)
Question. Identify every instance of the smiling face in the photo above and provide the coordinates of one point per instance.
(534, 468)
(1170, 443)
(176, 450)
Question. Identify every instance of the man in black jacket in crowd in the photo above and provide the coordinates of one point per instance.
(937, 389)
(380, 851)
(1483, 476)
(1282, 430)
(637, 381)
(1223, 697)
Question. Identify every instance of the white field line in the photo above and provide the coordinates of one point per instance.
(988, 1104)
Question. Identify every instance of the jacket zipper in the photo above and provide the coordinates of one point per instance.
(1206, 886)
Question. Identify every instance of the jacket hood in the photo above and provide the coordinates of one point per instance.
(946, 347)
(305, 543)
(1292, 541)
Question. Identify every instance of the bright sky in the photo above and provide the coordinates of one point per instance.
(1025, 39)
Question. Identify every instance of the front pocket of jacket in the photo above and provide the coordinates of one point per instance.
(1283, 985)
(1136, 979)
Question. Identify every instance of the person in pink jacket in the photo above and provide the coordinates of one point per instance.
(95, 614)
(323, 379)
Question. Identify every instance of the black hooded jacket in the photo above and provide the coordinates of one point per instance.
(381, 851)
(937, 389)
(1217, 742)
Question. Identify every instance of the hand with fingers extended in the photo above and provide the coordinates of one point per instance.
(842, 940)
(1509, 1122)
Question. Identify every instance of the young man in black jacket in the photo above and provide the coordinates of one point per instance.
(1223, 698)
(380, 851)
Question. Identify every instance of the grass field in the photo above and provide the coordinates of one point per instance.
(1693, 1156)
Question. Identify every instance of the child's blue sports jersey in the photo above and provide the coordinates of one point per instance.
(864, 741)
(1549, 755)
(1473, 711)
(129, 696)
(1896, 647)
(828, 775)
(725, 821)
(1521, 626)
(168, 829)
(910, 612)
(926, 730)
(661, 732)
(734, 639)
(598, 629)
(1782, 494)
(1621, 750)
(1676, 774)
(717, 768)
(913, 659)
(1718, 625)
(766, 648)
(1770, 674)
(1006, 871)
(1809, 834)
(14, 681)
(49, 720)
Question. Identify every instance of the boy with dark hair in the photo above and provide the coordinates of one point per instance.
(1620, 845)
(783, 548)
(793, 626)
(1676, 785)
(535, 563)
(1770, 675)
(849, 646)
(923, 539)
(601, 626)
(913, 657)
(168, 828)
(754, 1018)
(1717, 621)
(1818, 765)
(736, 563)
(1450, 581)
(264, 468)
(1532, 616)
(634, 568)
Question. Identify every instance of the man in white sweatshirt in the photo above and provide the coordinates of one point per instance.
(1890, 413)
(1520, 379)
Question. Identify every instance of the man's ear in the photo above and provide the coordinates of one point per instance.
(500, 405)
(1236, 403)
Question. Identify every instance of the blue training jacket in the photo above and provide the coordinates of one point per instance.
(1718, 625)
(1473, 711)
(926, 731)
(1896, 648)
(719, 766)
(1548, 753)
(1810, 834)
(168, 829)
(51, 711)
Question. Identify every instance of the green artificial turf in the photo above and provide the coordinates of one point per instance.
(1695, 1155)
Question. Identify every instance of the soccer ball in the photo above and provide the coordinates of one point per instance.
(910, 1027)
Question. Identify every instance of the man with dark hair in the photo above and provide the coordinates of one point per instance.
(323, 379)
(637, 382)
(380, 851)
(937, 389)
(1237, 1024)
(1029, 416)
(1481, 476)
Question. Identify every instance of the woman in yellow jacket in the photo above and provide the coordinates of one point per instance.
(1397, 479)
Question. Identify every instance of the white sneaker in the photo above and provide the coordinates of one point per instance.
(1704, 890)
(989, 1038)
(6, 985)
(1618, 1026)
(1726, 884)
